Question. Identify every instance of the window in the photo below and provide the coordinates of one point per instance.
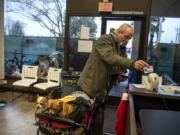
(92, 29)
(164, 47)
(34, 32)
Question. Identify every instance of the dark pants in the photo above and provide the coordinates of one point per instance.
(98, 115)
(98, 118)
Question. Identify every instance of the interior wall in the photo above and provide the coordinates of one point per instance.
(1, 39)
(166, 8)
(118, 5)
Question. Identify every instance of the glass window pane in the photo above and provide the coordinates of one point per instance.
(164, 47)
(34, 34)
(78, 59)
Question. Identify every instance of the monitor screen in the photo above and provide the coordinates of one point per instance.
(159, 122)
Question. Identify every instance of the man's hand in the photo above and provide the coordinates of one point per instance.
(140, 65)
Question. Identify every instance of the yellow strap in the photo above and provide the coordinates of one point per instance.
(67, 99)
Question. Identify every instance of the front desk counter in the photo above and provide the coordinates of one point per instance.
(142, 99)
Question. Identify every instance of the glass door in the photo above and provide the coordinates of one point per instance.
(131, 49)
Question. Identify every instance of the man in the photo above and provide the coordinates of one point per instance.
(96, 76)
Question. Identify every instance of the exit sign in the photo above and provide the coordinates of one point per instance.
(105, 7)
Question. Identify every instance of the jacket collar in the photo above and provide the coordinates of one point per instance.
(112, 32)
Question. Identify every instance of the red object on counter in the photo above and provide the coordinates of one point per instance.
(121, 115)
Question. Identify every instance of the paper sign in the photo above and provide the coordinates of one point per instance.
(84, 32)
(85, 46)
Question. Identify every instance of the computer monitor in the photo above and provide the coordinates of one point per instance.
(159, 122)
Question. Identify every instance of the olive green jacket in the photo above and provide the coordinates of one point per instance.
(96, 75)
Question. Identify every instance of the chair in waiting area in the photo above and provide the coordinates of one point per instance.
(53, 79)
(28, 77)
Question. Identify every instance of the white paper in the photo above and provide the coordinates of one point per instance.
(85, 46)
(139, 85)
(176, 88)
(148, 70)
(84, 34)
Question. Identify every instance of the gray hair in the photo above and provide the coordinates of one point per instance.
(123, 27)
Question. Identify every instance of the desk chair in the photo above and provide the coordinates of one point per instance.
(53, 79)
(28, 76)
